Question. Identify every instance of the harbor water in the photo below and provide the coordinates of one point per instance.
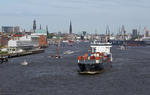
(130, 73)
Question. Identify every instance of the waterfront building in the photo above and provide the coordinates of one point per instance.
(18, 35)
(4, 40)
(42, 34)
(26, 42)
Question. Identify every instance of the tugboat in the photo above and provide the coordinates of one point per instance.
(3, 59)
(98, 60)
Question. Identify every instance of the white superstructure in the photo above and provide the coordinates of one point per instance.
(98, 46)
(146, 40)
(25, 41)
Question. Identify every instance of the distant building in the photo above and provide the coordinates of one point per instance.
(40, 32)
(19, 34)
(134, 33)
(146, 33)
(7, 29)
(42, 41)
(10, 29)
(3, 40)
(42, 37)
(16, 29)
(84, 33)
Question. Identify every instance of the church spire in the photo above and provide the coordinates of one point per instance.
(70, 28)
(34, 25)
(47, 29)
(40, 27)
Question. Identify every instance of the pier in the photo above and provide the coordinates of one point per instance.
(30, 52)
(11, 55)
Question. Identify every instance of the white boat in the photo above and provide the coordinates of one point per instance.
(122, 48)
(24, 63)
(68, 52)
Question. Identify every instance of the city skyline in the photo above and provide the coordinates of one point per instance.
(86, 15)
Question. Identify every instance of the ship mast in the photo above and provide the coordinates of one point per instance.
(123, 32)
(57, 49)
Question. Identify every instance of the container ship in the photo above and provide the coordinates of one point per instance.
(98, 60)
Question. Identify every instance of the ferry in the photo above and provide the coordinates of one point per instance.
(96, 61)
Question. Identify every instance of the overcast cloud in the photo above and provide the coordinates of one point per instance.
(89, 15)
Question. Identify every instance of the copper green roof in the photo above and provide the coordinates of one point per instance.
(40, 31)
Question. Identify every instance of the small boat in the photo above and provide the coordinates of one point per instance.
(91, 72)
(122, 47)
(68, 52)
(24, 63)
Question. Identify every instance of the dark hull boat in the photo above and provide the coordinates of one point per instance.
(128, 43)
(94, 68)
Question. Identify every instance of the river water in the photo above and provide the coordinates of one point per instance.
(43, 75)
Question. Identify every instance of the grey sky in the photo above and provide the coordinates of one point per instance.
(89, 15)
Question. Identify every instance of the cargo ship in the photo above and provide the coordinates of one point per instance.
(146, 40)
(128, 42)
(97, 60)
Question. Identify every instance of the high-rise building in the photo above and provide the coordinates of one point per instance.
(16, 29)
(70, 28)
(7, 29)
(10, 29)
(34, 25)
(134, 33)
